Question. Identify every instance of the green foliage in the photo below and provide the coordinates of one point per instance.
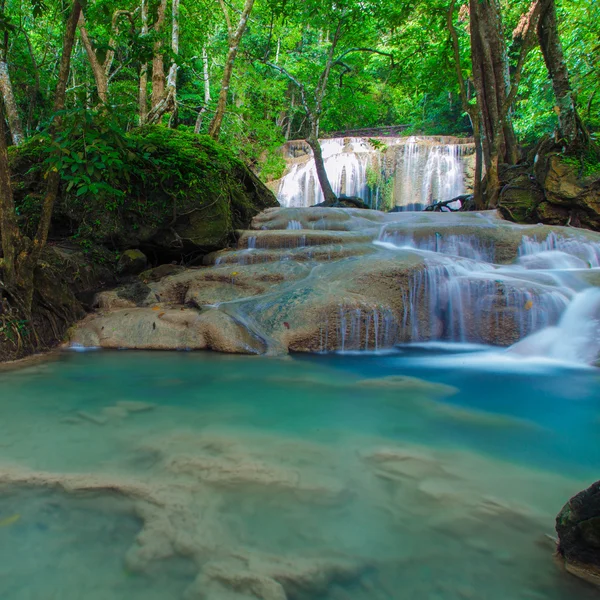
(114, 185)
(94, 157)
(419, 88)
(586, 165)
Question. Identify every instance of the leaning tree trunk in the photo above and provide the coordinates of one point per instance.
(98, 70)
(329, 195)
(552, 50)
(53, 180)
(235, 38)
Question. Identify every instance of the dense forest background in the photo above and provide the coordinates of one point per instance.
(180, 61)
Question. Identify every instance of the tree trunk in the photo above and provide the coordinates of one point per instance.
(492, 85)
(206, 80)
(552, 50)
(143, 90)
(214, 129)
(53, 179)
(35, 88)
(9, 230)
(168, 102)
(12, 112)
(158, 66)
(100, 76)
(328, 194)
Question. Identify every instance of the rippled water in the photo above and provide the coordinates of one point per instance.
(127, 476)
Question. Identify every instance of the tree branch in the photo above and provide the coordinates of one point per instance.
(295, 82)
(371, 50)
(227, 18)
(527, 32)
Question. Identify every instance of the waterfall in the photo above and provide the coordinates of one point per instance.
(346, 163)
(406, 173)
(428, 172)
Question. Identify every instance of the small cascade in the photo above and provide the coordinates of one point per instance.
(428, 173)
(467, 246)
(364, 329)
(406, 173)
(575, 339)
(471, 300)
(556, 247)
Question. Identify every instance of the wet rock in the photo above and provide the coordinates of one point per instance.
(96, 419)
(578, 528)
(161, 271)
(326, 279)
(131, 262)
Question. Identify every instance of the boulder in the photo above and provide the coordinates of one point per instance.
(183, 194)
(131, 262)
(578, 528)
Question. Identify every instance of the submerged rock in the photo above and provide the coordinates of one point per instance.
(403, 383)
(578, 528)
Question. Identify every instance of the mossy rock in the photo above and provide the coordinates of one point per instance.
(132, 262)
(578, 528)
(180, 194)
(520, 199)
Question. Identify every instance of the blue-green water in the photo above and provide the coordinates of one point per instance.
(128, 476)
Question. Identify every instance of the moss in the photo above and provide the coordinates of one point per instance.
(174, 189)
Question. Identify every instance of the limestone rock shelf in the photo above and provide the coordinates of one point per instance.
(324, 279)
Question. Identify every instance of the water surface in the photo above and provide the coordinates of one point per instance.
(127, 476)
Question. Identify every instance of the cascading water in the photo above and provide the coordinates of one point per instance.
(575, 339)
(554, 249)
(428, 172)
(346, 164)
(406, 173)
(470, 299)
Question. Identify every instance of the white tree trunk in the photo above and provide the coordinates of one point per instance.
(12, 113)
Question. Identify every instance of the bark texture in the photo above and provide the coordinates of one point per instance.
(143, 87)
(491, 79)
(12, 112)
(168, 101)
(158, 65)
(235, 37)
(206, 80)
(98, 70)
(551, 46)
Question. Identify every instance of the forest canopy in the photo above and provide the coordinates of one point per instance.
(394, 66)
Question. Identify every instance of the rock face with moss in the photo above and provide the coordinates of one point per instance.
(554, 189)
(66, 281)
(578, 528)
(172, 192)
